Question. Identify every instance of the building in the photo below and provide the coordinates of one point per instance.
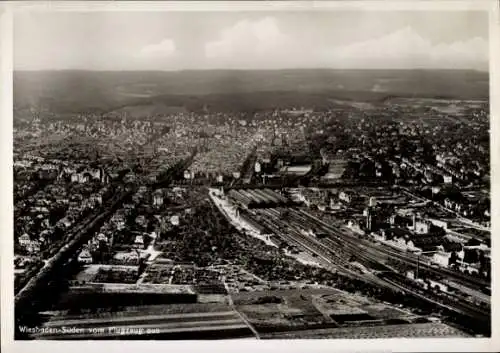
(126, 258)
(334, 205)
(24, 240)
(400, 221)
(336, 168)
(439, 223)
(437, 285)
(426, 243)
(256, 226)
(298, 170)
(442, 258)
(85, 257)
(257, 167)
(422, 227)
(368, 213)
(346, 196)
(174, 220)
(33, 247)
(101, 237)
(158, 198)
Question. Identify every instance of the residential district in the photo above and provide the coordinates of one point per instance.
(358, 222)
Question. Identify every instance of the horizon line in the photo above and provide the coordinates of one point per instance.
(242, 69)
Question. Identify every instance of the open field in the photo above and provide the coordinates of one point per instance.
(144, 325)
(423, 330)
(292, 310)
(170, 309)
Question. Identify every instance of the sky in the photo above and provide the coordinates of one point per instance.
(250, 40)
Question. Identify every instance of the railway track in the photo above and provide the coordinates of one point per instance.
(446, 302)
(346, 249)
(381, 252)
(369, 253)
(312, 245)
(300, 239)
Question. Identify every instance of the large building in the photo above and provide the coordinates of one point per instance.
(250, 198)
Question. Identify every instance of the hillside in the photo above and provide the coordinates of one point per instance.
(61, 92)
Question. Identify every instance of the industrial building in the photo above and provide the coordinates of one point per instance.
(258, 198)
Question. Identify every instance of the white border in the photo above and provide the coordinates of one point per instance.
(217, 6)
(379, 345)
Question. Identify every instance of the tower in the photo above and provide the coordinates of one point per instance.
(369, 220)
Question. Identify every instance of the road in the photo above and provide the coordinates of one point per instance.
(80, 234)
(240, 314)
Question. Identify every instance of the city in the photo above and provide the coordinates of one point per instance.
(158, 205)
(220, 205)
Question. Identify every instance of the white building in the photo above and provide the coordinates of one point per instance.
(439, 223)
(24, 240)
(33, 246)
(441, 258)
(174, 220)
(84, 257)
(139, 241)
(102, 237)
(157, 199)
(422, 227)
(345, 196)
(438, 285)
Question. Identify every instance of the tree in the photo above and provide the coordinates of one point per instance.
(483, 262)
(473, 242)
(471, 256)
(453, 258)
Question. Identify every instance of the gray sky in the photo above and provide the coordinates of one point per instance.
(250, 40)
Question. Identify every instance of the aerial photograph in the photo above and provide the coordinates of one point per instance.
(190, 175)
